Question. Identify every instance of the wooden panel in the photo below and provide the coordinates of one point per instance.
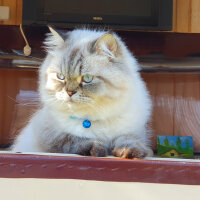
(174, 16)
(183, 14)
(26, 101)
(161, 89)
(187, 107)
(15, 12)
(19, 12)
(175, 97)
(195, 16)
(187, 16)
(14, 113)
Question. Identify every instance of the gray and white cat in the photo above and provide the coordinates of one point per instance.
(94, 101)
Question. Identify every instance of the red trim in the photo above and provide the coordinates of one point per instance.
(100, 169)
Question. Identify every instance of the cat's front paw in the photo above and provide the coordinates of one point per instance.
(95, 148)
(130, 153)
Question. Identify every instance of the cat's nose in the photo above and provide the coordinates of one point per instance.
(70, 93)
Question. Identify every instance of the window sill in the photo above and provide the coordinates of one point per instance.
(59, 166)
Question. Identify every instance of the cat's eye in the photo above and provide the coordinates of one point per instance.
(60, 76)
(87, 78)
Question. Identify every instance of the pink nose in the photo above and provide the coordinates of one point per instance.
(70, 93)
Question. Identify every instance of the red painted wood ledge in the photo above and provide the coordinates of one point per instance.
(99, 169)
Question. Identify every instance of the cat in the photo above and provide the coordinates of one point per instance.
(94, 102)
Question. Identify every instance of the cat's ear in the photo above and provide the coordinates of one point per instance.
(105, 44)
(57, 33)
(54, 40)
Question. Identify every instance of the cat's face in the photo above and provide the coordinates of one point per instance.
(85, 78)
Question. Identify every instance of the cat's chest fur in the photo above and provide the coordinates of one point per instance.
(101, 129)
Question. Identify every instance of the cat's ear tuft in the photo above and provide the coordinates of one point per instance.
(106, 43)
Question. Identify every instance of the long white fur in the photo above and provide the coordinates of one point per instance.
(128, 116)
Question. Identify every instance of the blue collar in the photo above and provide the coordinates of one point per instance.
(86, 123)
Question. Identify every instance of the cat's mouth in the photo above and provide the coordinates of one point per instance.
(72, 102)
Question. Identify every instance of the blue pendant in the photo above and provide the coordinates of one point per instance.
(86, 123)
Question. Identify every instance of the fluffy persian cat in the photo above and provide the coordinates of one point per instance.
(94, 101)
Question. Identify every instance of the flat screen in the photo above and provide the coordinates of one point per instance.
(130, 14)
(103, 7)
(104, 11)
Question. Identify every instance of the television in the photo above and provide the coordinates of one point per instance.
(114, 14)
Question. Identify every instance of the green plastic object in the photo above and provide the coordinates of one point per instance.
(175, 146)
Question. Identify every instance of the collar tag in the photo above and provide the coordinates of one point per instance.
(86, 123)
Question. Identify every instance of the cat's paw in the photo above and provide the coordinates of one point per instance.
(95, 148)
(130, 153)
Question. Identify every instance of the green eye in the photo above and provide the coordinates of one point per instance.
(60, 76)
(87, 78)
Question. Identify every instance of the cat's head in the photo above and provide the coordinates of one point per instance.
(86, 73)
